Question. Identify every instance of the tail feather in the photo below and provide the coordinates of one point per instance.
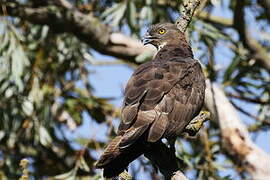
(110, 153)
(115, 160)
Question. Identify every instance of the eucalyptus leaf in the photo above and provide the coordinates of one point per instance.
(116, 14)
(71, 175)
(2, 134)
(132, 13)
(27, 107)
(231, 68)
(83, 165)
(9, 92)
(45, 138)
(144, 57)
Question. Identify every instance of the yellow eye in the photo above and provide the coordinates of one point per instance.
(161, 31)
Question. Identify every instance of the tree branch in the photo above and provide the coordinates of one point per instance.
(61, 18)
(189, 7)
(236, 140)
(248, 99)
(207, 17)
(101, 38)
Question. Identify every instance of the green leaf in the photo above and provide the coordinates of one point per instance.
(231, 68)
(109, 11)
(147, 13)
(2, 134)
(4, 41)
(83, 165)
(116, 14)
(27, 107)
(14, 60)
(132, 14)
(144, 57)
(97, 177)
(44, 137)
(71, 175)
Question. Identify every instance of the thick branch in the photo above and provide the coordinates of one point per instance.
(236, 140)
(189, 7)
(61, 18)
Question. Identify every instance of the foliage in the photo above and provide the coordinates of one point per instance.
(45, 87)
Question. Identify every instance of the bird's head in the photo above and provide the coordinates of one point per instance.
(163, 34)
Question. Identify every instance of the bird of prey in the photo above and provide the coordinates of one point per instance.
(161, 98)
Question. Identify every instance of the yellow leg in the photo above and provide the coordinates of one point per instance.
(195, 124)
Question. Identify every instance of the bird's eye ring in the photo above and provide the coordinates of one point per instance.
(161, 31)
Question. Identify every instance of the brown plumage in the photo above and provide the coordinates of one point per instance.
(161, 98)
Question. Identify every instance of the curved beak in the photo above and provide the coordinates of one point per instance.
(148, 39)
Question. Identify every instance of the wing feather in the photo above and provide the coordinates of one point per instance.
(144, 119)
(161, 98)
(158, 128)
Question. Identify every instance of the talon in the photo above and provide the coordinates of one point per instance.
(195, 124)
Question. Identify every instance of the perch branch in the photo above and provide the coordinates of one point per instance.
(189, 7)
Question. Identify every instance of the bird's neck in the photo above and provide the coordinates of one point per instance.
(180, 49)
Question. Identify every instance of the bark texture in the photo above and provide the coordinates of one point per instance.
(235, 137)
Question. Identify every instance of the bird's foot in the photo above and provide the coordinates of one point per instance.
(125, 176)
(195, 124)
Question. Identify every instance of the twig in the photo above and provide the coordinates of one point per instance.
(100, 37)
(244, 112)
(260, 122)
(24, 164)
(251, 100)
(258, 51)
